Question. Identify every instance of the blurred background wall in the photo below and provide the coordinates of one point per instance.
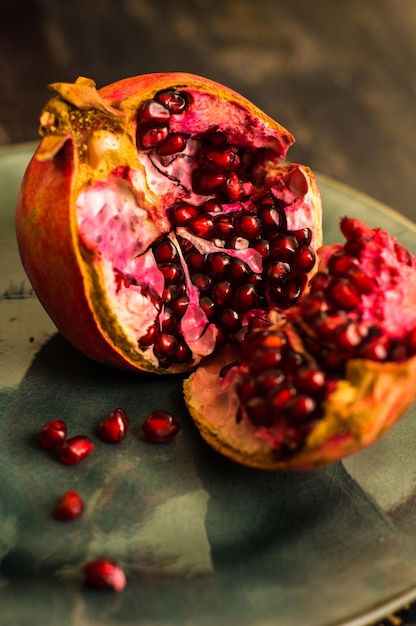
(339, 74)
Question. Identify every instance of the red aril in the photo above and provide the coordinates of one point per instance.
(75, 449)
(160, 427)
(136, 188)
(113, 428)
(69, 506)
(104, 573)
(52, 433)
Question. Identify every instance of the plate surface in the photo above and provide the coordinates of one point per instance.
(203, 541)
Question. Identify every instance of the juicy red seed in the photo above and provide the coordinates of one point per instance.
(402, 254)
(245, 298)
(222, 293)
(165, 345)
(259, 412)
(183, 352)
(219, 159)
(277, 272)
(283, 247)
(303, 236)
(359, 279)
(239, 271)
(264, 360)
(181, 214)
(340, 263)
(319, 283)
(152, 137)
(301, 407)
(230, 320)
(239, 243)
(216, 138)
(330, 325)
(248, 225)
(233, 188)
(376, 349)
(195, 260)
(292, 361)
(202, 282)
(224, 226)
(52, 434)
(208, 307)
(74, 450)
(202, 226)
(175, 101)
(304, 260)
(268, 380)
(165, 251)
(69, 506)
(170, 293)
(280, 398)
(351, 336)
(179, 305)
(113, 428)
(172, 272)
(169, 320)
(218, 264)
(273, 219)
(313, 307)
(212, 206)
(246, 389)
(160, 427)
(309, 379)
(149, 337)
(344, 294)
(104, 573)
(291, 291)
(205, 182)
(175, 142)
(154, 112)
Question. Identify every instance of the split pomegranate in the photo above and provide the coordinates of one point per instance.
(69, 506)
(113, 428)
(52, 434)
(330, 378)
(75, 449)
(160, 427)
(104, 573)
(155, 219)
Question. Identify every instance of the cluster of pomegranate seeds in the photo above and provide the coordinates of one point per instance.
(280, 387)
(238, 251)
(104, 573)
(70, 506)
(113, 428)
(160, 427)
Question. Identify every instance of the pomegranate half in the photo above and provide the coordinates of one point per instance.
(332, 377)
(155, 219)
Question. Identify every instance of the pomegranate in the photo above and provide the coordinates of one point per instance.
(155, 219)
(331, 377)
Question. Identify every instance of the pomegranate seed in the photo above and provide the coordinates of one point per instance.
(224, 226)
(233, 188)
(376, 349)
(309, 379)
(330, 325)
(172, 272)
(76, 449)
(246, 389)
(344, 294)
(304, 260)
(165, 251)
(153, 137)
(245, 298)
(359, 279)
(154, 112)
(280, 398)
(259, 412)
(202, 226)
(219, 159)
(402, 254)
(113, 428)
(69, 506)
(212, 206)
(240, 271)
(202, 282)
(301, 407)
(169, 320)
(179, 305)
(340, 263)
(219, 264)
(222, 293)
(264, 360)
(165, 345)
(283, 247)
(272, 218)
(230, 320)
(175, 101)
(205, 182)
(195, 260)
(183, 213)
(351, 336)
(248, 225)
(104, 573)
(53, 433)
(267, 381)
(160, 427)
(176, 142)
(303, 236)
(277, 272)
(150, 336)
(183, 352)
(208, 307)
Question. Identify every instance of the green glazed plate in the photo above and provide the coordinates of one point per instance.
(203, 541)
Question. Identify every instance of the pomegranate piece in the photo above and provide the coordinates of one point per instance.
(52, 434)
(331, 377)
(160, 427)
(69, 506)
(162, 196)
(104, 573)
(75, 449)
(113, 428)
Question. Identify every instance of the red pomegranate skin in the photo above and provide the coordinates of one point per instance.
(64, 273)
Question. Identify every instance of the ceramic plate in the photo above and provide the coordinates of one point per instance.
(202, 540)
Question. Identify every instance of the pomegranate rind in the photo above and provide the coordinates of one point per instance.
(362, 408)
(68, 275)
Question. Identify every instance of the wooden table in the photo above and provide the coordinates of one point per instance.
(339, 75)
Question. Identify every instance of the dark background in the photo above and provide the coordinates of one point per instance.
(339, 74)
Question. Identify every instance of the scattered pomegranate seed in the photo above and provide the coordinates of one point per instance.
(52, 434)
(74, 450)
(104, 573)
(160, 427)
(69, 506)
(113, 428)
